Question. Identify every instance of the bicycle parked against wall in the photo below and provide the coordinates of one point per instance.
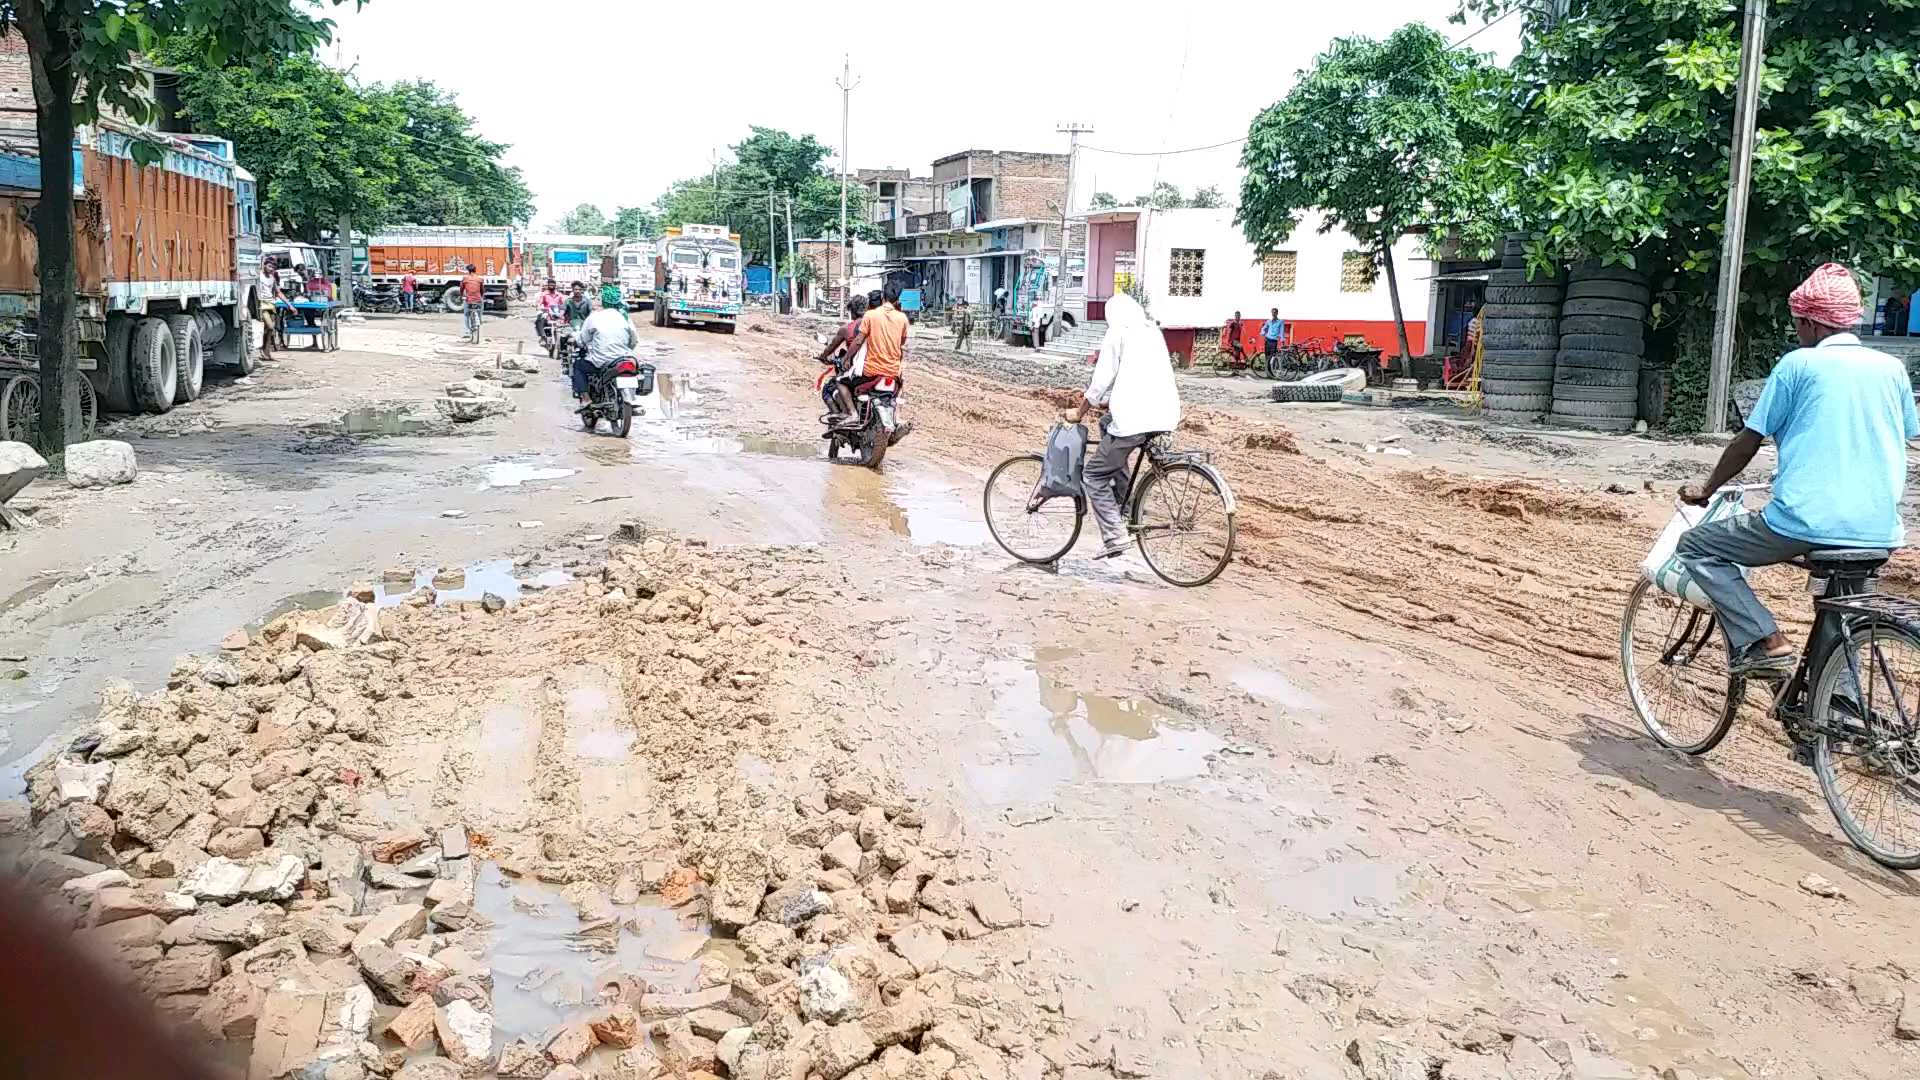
(1850, 711)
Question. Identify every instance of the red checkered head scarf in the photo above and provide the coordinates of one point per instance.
(1828, 297)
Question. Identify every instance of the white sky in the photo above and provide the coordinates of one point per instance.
(577, 86)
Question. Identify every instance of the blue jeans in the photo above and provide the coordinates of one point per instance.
(1715, 553)
(473, 316)
(581, 372)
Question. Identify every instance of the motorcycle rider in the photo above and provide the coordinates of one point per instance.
(550, 302)
(837, 346)
(578, 306)
(882, 334)
(605, 338)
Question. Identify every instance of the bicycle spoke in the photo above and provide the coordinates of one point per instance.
(1871, 763)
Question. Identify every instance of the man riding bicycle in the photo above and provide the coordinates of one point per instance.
(1133, 382)
(1840, 414)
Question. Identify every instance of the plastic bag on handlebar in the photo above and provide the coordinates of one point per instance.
(1060, 465)
(1664, 568)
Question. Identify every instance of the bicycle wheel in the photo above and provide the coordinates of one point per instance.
(1183, 527)
(1674, 657)
(1866, 708)
(1032, 534)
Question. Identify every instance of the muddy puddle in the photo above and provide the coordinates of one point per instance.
(471, 582)
(383, 420)
(552, 962)
(1057, 733)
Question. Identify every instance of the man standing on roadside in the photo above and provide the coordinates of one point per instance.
(1231, 344)
(962, 327)
(1841, 415)
(407, 287)
(1271, 333)
(473, 289)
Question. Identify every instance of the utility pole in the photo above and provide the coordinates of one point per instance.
(715, 155)
(846, 85)
(1072, 132)
(773, 258)
(1746, 108)
(793, 262)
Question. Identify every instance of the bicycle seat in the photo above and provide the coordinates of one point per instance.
(1828, 562)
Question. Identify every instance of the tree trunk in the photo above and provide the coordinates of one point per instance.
(1399, 319)
(53, 217)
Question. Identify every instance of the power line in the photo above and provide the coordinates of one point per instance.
(1231, 142)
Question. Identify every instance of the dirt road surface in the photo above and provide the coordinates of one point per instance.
(1371, 805)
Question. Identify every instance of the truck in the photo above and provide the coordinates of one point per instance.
(566, 265)
(696, 277)
(166, 262)
(438, 256)
(635, 273)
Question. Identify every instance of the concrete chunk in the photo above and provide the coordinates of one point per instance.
(413, 1027)
(396, 923)
(20, 465)
(466, 1034)
(100, 463)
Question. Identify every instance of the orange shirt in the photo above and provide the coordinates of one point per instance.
(474, 288)
(886, 330)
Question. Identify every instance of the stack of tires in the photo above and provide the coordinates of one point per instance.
(1603, 325)
(1520, 333)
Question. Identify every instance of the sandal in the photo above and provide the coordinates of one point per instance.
(1763, 666)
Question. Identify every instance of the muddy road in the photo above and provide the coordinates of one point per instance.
(1371, 805)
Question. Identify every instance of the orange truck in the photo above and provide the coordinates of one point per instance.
(438, 256)
(166, 262)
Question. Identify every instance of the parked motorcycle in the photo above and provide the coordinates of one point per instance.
(382, 298)
(876, 426)
(614, 394)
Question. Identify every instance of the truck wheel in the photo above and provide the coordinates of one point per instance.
(155, 369)
(235, 351)
(189, 357)
(116, 372)
(728, 328)
(451, 300)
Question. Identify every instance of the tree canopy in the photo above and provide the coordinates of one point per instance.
(1164, 196)
(584, 219)
(767, 160)
(634, 223)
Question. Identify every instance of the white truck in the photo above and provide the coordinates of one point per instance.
(567, 265)
(697, 277)
(635, 260)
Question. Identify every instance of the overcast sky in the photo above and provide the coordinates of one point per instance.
(581, 88)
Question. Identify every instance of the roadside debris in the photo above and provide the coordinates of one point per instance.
(100, 463)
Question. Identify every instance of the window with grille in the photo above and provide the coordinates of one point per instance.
(1186, 267)
(1356, 272)
(1277, 269)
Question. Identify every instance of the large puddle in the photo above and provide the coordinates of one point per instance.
(1059, 734)
(553, 962)
(471, 582)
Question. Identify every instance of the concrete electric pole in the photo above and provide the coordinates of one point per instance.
(1746, 107)
(1072, 132)
(793, 263)
(846, 85)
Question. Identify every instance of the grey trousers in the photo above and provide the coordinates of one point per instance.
(1105, 478)
(1716, 552)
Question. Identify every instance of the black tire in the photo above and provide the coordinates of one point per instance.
(1295, 391)
(115, 374)
(1603, 324)
(1506, 342)
(1518, 356)
(1530, 404)
(1619, 309)
(1014, 472)
(154, 366)
(1514, 243)
(1498, 295)
(1699, 650)
(1508, 275)
(873, 449)
(190, 357)
(1624, 344)
(1594, 272)
(452, 301)
(728, 328)
(1587, 397)
(235, 351)
(1570, 375)
(1593, 359)
(1627, 408)
(1609, 425)
(622, 421)
(1194, 481)
(1835, 674)
(1590, 289)
(1503, 326)
(1508, 312)
(589, 420)
(1498, 373)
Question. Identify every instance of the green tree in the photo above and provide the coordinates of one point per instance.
(449, 174)
(81, 58)
(1614, 140)
(1206, 198)
(319, 146)
(768, 160)
(1377, 136)
(585, 219)
(634, 223)
(1103, 200)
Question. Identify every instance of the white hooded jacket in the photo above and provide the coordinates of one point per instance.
(1134, 376)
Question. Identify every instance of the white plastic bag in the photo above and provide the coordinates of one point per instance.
(1061, 465)
(1664, 568)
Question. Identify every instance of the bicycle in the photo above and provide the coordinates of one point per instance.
(1854, 736)
(1300, 358)
(1179, 510)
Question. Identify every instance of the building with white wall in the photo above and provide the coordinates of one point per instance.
(1196, 268)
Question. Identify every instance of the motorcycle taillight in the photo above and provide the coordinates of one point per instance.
(626, 367)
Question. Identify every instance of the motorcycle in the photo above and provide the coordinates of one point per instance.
(876, 426)
(382, 298)
(614, 394)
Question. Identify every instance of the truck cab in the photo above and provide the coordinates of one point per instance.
(697, 277)
(634, 265)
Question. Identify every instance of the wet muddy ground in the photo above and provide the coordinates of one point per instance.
(1378, 782)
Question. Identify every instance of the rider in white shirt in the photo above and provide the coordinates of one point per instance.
(1133, 381)
(605, 338)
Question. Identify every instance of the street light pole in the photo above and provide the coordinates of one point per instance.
(1746, 108)
(793, 265)
(846, 85)
(1073, 133)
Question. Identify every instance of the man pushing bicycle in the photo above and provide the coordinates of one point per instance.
(1840, 414)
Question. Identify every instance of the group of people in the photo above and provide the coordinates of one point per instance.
(273, 297)
(1272, 333)
(869, 348)
(602, 336)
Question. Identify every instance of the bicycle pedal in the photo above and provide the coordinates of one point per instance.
(1802, 754)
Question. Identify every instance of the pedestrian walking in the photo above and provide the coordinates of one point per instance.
(473, 290)
(962, 327)
(408, 287)
(266, 306)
